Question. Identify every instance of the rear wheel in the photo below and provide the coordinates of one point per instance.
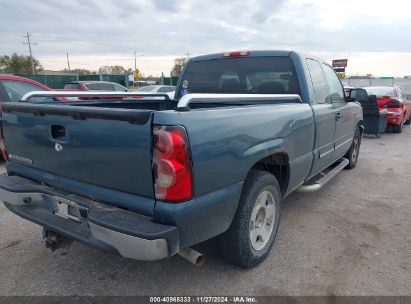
(408, 121)
(252, 233)
(352, 154)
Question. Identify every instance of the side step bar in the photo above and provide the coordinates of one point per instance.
(325, 179)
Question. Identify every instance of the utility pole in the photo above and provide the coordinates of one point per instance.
(31, 55)
(68, 61)
(135, 61)
(188, 55)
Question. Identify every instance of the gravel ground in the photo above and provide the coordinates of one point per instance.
(350, 238)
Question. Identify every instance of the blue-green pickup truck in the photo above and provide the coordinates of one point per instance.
(149, 178)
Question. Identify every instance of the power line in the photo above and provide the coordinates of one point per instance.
(31, 55)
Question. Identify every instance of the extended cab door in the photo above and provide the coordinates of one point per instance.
(324, 117)
(345, 114)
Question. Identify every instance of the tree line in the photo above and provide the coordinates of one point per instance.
(21, 64)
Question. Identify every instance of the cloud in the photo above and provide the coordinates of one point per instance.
(163, 28)
(166, 5)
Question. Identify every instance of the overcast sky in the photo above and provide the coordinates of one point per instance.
(373, 35)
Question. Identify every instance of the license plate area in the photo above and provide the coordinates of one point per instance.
(67, 209)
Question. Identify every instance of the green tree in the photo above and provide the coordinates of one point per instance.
(19, 64)
(178, 66)
(79, 71)
(112, 69)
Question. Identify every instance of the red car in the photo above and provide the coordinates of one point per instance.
(12, 88)
(94, 86)
(394, 100)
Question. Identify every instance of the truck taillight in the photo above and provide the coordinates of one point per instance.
(171, 163)
(236, 54)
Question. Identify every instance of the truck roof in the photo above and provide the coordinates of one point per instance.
(258, 53)
(250, 53)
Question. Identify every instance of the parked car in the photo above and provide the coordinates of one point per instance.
(394, 100)
(12, 88)
(149, 179)
(157, 89)
(142, 83)
(162, 89)
(94, 86)
(347, 89)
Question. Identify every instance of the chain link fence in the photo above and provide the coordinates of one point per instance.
(404, 83)
(58, 81)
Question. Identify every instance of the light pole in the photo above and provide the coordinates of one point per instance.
(135, 60)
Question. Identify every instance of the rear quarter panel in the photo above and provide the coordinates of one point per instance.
(226, 142)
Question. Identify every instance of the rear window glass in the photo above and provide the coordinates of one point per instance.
(72, 86)
(381, 91)
(99, 86)
(146, 88)
(245, 75)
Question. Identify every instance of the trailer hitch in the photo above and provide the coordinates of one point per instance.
(54, 241)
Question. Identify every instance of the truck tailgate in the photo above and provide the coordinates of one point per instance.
(110, 148)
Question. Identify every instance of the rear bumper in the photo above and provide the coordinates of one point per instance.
(98, 225)
(394, 117)
(394, 120)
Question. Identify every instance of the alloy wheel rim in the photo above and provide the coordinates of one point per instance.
(262, 220)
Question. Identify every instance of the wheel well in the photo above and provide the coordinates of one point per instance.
(276, 164)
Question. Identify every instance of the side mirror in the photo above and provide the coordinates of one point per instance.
(360, 95)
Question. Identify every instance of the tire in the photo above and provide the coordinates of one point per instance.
(397, 128)
(354, 151)
(257, 215)
(408, 121)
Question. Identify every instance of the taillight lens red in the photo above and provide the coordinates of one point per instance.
(236, 54)
(171, 163)
(393, 103)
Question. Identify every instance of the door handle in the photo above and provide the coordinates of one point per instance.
(58, 132)
(338, 116)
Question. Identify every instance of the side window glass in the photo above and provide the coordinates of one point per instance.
(403, 94)
(334, 84)
(319, 83)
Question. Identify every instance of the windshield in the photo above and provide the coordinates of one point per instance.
(245, 75)
(16, 89)
(381, 91)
